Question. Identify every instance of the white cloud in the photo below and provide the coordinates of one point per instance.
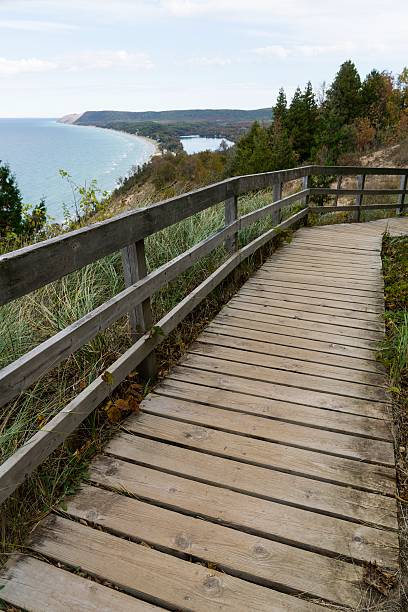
(34, 26)
(20, 66)
(283, 52)
(103, 60)
(207, 61)
(91, 60)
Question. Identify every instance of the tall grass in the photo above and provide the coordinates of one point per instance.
(32, 319)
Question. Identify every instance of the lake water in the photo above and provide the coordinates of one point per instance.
(195, 144)
(37, 148)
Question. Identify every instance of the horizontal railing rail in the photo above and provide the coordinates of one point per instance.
(33, 267)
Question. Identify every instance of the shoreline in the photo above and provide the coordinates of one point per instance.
(145, 138)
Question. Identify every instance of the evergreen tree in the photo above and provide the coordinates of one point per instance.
(344, 95)
(11, 207)
(279, 111)
(283, 154)
(252, 152)
(302, 121)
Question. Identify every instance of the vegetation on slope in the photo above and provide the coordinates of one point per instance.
(395, 356)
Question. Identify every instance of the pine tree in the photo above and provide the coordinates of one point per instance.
(11, 207)
(302, 122)
(344, 95)
(279, 111)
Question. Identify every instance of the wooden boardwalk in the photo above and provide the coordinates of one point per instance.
(260, 473)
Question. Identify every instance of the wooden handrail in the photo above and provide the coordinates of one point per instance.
(32, 267)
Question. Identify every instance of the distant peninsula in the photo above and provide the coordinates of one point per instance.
(167, 127)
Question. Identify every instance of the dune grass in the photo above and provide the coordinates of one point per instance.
(30, 320)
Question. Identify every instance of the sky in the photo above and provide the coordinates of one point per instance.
(59, 57)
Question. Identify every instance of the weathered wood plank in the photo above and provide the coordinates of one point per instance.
(275, 456)
(319, 351)
(276, 410)
(350, 335)
(237, 363)
(37, 586)
(282, 358)
(301, 289)
(250, 302)
(250, 557)
(312, 305)
(290, 434)
(267, 491)
(316, 399)
(136, 568)
(373, 289)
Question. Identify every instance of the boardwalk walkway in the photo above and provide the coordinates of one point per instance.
(260, 473)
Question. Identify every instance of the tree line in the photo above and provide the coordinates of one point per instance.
(352, 115)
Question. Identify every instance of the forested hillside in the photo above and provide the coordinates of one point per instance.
(338, 124)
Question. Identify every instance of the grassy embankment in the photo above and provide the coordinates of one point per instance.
(30, 320)
(395, 357)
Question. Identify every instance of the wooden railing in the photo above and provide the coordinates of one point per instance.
(30, 268)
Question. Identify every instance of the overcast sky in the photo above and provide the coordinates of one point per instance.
(60, 56)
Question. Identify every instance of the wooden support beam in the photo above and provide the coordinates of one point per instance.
(140, 317)
(231, 213)
(277, 195)
(359, 198)
(401, 197)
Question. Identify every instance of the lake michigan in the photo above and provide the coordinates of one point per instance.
(36, 149)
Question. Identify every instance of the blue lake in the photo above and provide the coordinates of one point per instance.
(36, 149)
(195, 144)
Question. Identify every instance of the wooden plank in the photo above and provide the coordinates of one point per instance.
(304, 297)
(282, 358)
(331, 253)
(372, 289)
(335, 292)
(318, 351)
(41, 587)
(274, 456)
(16, 468)
(339, 270)
(342, 445)
(301, 289)
(273, 409)
(236, 363)
(341, 344)
(135, 569)
(309, 304)
(241, 554)
(316, 399)
(263, 305)
(350, 335)
(267, 493)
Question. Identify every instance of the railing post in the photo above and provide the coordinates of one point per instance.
(277, 195)
(305, 200)
(140, 318)
(359, 197)
(401, 197)
(230, 215)
(339, 182)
